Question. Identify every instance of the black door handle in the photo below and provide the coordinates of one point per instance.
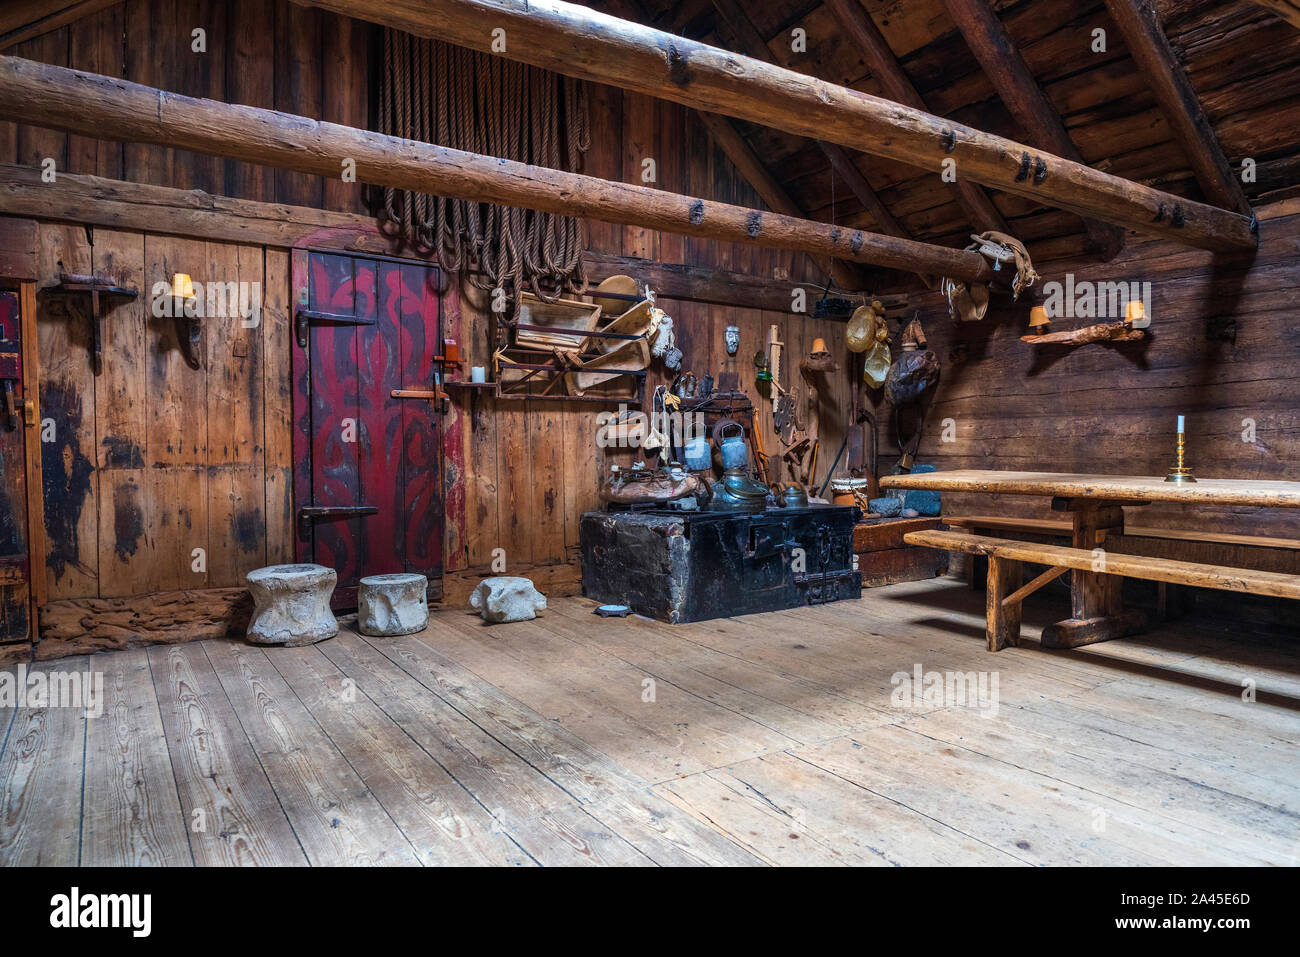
(308, 514)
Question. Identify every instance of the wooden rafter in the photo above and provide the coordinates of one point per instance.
(577, 41)
(1015, 83)
(1140, 24)
(1288, 10)
(729, 139)
(27, 21)
(746, 39)
(93, 105)
(876, 52)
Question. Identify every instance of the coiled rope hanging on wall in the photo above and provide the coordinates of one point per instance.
(438, 93)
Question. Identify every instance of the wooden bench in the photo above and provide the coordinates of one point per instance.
(1264, 553)
(1005, 591)
(1062, 528)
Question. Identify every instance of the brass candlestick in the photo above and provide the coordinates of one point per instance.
(1180, 474)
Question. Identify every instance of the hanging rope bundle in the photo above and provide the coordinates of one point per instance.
(438, 93)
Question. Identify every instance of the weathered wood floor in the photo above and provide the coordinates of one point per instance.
(769, 739)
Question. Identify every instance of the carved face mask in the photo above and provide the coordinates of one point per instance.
(732, 339)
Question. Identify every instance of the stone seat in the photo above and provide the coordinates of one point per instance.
(291, 604)
(507, 598)
(395, 604)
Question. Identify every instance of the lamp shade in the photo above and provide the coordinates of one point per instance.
(1135, 314)
(1038, 317)
(182, 286)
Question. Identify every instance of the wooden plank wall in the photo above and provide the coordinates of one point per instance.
(268, 53)
(1222, 349)
(526, 470)
(532, 466)
(152, 459)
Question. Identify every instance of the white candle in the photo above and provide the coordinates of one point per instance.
(1180, 424)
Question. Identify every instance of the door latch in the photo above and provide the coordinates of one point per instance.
(11, 404)
(308, 515)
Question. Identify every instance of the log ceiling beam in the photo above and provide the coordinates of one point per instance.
(729, 139)
(880, 59)
(104, 107)
(116, 204)
(747, 40)
(1139, 23)
(580, 42)
(1018, 88)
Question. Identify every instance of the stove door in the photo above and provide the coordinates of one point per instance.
(767, 555)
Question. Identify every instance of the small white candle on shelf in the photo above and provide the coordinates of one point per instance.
(1180, 423)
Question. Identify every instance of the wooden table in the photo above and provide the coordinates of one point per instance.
(1094, 504)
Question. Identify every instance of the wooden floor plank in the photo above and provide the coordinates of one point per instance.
(605, 789)
(1253, 740)
(824, 701)
(7, 712)
(771, 739)
(442, 820)
(132, 814)
(1030, 815)
(217, 771)
(793, 812)
(846, 648)
(1195, 797)
(41, 776)
(543, 819)
(722, 681)
(602, 699)
(335, 816)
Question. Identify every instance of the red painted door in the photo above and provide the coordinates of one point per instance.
(368, 482)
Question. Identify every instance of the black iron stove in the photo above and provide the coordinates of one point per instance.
(680, 566)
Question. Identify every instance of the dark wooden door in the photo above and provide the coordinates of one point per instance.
(368, 488)
(15, 591)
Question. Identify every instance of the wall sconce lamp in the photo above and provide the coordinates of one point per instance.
(189, 327)
(1135, 314)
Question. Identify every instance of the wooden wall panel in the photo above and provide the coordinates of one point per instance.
(35, 145)
(69, 449)
(298, 88)
(1220, 350)
(277, 398)
(153, 459)
(344, 53)
(236, 529)
(250, 80)
(190, 458)
(268, 53)
(95, 44)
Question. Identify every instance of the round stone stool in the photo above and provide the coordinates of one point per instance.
(291, 604)
(394, 604)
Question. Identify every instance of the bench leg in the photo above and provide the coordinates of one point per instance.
(1002, 621)
(1096, 599)
(1172, 601)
